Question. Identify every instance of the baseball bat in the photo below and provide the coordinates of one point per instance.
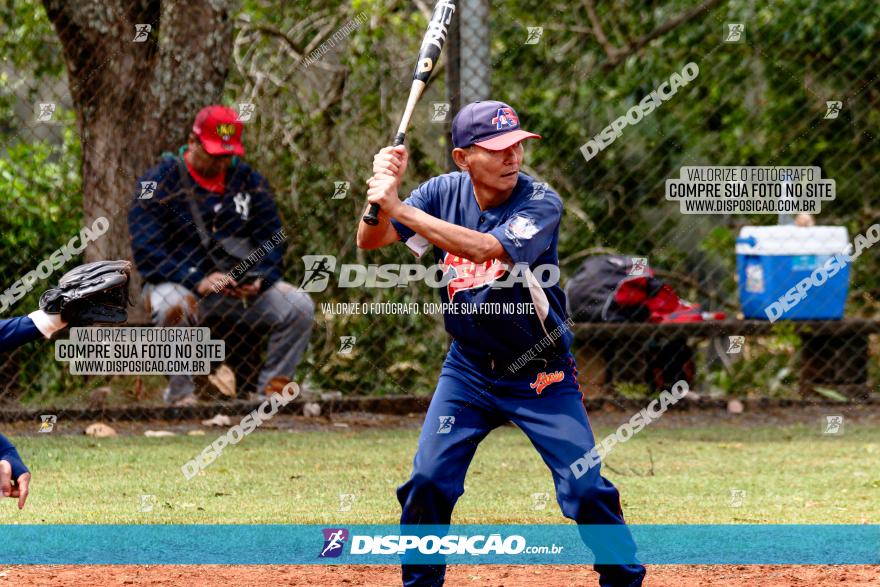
(429, 54)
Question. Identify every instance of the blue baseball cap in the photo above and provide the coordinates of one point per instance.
(490, 124)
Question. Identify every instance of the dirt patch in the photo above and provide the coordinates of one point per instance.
(478, 575)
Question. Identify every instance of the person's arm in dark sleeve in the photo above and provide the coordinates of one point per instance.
(530, 229)
(9, 454)
(266, 229)
(154, 254)
(15, 332)
(389, 166)
(15, 479)
(20, 330)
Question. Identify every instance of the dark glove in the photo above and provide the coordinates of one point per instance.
(94, 292)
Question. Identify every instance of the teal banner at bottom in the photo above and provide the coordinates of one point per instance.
(560, 544)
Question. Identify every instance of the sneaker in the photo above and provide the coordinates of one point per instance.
(223, 381)
(187, 400)
(275, 385)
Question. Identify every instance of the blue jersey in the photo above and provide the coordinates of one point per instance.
(527, 226)
(9, 454)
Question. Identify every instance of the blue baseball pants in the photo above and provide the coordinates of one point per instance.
(482, 398)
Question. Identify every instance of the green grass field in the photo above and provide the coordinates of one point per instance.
(791, 474)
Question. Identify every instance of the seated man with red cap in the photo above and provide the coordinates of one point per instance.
(208, 241)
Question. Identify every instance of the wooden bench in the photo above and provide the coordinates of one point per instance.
(833, 353)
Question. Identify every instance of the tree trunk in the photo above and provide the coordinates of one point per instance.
(135, 100)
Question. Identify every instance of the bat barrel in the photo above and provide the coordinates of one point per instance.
(429, 53)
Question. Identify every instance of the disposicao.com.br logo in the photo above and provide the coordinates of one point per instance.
(454, 273)
(334, 542)
(393, 544)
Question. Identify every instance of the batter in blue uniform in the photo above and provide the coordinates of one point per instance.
(494, 232)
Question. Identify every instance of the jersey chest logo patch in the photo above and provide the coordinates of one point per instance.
(469, 275)
(544, 379)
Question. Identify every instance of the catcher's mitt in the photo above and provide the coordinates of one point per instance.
(90, 293)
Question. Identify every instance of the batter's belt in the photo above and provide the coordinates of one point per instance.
(525, 363)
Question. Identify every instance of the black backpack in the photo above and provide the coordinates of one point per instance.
(594, 295)
(592, 292)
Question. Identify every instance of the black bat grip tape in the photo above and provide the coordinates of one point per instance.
(372, 216)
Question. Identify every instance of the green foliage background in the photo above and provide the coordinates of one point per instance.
(761, 102)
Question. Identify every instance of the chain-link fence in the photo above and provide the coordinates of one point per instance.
(86, 113)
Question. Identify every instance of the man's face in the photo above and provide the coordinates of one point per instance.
(205, 163)
(497, 169)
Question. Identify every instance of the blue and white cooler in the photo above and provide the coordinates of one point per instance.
(770, 260)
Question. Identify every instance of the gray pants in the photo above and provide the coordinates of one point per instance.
(286, 312)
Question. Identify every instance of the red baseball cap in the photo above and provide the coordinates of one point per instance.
(219, 130)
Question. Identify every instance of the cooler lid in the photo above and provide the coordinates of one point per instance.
(791, 240)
